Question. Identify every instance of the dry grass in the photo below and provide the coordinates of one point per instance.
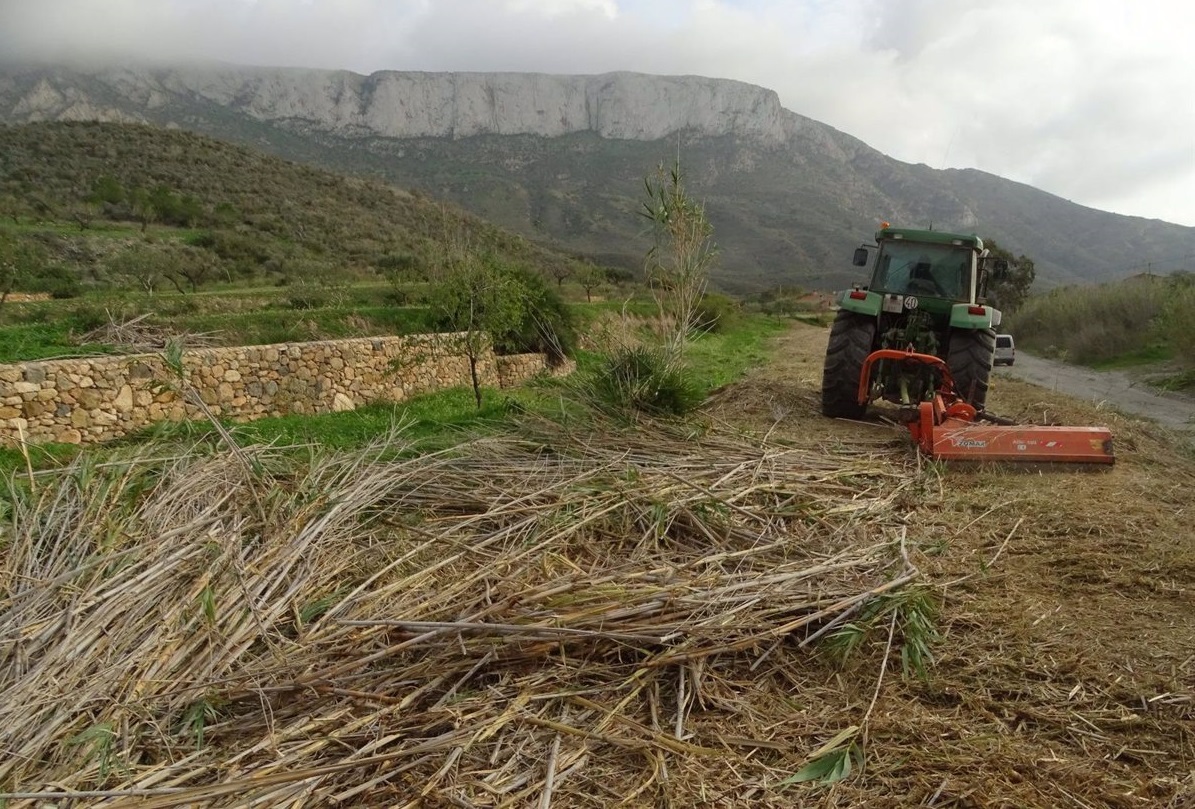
(620, 331)
(571, 619)
(607, 618)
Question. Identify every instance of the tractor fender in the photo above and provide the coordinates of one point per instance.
(963, 316)
(868, 305)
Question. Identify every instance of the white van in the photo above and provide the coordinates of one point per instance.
(1006, 350)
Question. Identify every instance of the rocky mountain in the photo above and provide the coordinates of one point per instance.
(561, 159)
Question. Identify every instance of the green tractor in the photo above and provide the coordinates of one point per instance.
(926, 295)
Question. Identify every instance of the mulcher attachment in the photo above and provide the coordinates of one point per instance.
(946, 427)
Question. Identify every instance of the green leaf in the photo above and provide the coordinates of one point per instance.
(829, 763)
(834, 766)
(314, 609)
(207, 598)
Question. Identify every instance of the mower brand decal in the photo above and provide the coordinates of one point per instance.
(969, 443)
(911, 302)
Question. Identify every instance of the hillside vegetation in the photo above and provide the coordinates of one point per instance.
(789, 197)
(95, 205)
(1146, 319)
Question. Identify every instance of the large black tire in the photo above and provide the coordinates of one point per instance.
(972, 353)
(851, 340)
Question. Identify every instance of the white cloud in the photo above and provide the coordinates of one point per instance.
(558, 8)
(1087, 99)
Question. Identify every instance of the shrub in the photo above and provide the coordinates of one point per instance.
(547, 323)
(52, 278)
(88, 316)
(406, 296)
(640, 380)
(306, 298)
(173, 307)
(1101, 323)
(1177, 321)
(400, 267)
(203, 239)
(716, 313)
(677, 266)
(513, 306)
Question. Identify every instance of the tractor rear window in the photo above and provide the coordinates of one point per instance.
(936, 270)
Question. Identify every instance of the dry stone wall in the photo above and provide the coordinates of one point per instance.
(96, 399)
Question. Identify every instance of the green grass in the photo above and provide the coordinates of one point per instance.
(815, 318)
(41, 456)
(441, 415)
(1183, 382)
(42, 341)
(267, 326)
(642, 380)
(48, 329)
(434, 420)
(721, 358)
(103, 228)
(1146, 355)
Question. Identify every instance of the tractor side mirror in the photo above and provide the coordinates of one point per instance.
(997, 268)
(860, 257)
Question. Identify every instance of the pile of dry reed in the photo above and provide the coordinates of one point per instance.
(140, 335)
(558, 621)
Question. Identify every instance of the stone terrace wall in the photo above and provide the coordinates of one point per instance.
(89, 400)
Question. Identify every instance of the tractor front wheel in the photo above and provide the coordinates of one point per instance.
(851, 340)
(972, 352)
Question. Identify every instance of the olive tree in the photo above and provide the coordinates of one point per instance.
(139, 266)
(591, 277)
(479, 299)
(499, 306)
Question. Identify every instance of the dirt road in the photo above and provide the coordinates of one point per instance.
(1113, 388)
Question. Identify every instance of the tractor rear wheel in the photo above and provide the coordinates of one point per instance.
(851, 339)
(972, 352)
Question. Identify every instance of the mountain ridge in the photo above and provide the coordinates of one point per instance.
(560, 158)
(620, 105)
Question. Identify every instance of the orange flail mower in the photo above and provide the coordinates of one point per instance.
(947, 427)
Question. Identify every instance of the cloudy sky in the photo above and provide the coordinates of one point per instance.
(1087, 99)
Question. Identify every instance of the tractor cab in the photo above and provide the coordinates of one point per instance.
(924, 263)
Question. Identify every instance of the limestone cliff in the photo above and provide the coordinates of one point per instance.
(627, 106)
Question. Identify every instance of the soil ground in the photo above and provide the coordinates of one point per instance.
(1065, 674)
